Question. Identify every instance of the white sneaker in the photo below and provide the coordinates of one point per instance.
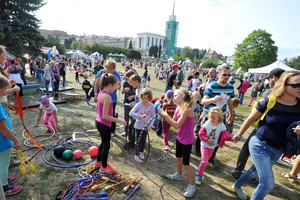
(138, 159)
(142, 156)
(190, 191)
(175, 176)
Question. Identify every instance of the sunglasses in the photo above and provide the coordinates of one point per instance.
(293, 85)
(226, 75)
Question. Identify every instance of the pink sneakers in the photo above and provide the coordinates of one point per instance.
(108, 169)
(12, 190)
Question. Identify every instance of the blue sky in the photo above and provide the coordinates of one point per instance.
(203, 24)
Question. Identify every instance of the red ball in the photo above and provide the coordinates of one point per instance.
(77, 154)
(93, 151)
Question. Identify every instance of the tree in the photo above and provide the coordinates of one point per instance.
(153, 51)
(19, 26)
(68, 42)
(187, 52)
(257, 50)
(294, 62)
(130, 45)
(54, 41)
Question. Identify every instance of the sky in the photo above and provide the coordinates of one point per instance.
(204, 24)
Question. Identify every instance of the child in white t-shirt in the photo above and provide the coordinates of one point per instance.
(50, 113)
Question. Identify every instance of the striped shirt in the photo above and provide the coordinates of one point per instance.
(215, 89)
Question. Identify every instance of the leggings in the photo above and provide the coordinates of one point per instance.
(50, 117)
(4, 164)
(142, 140)
(104, 146)
(183, 151)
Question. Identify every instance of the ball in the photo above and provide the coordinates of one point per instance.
(58, 151)
(67, 154)
(77, 154)
(93, 151)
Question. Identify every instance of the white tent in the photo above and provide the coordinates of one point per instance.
(268, 68)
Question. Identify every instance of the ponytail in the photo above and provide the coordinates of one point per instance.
(107, 79)
(187, 97)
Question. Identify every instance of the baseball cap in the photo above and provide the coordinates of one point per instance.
(275, 72)
(44, 100)
(170, 94)
(175, 66)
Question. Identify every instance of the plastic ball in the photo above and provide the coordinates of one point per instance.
(58, 151)
(77, 154)
(67, 154)
(93, 151)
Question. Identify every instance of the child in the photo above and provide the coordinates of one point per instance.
(77, 72)
(7, 140)
(108, 84)
(212, 134)
(197, 107)
(189, 83)
(135, 80)
(129, 95)
(142, 112)
(254, 93)
(170, 108)
(229, 126)
(158, 119)
(148, 81)
(50, 114)
(182, 120)
(86, 86)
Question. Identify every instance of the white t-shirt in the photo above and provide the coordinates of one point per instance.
(213, 133)
(195, 82)
(50, 108)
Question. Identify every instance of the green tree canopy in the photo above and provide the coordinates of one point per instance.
(187, 53)
(294, 62)
(257, 50)
(19, 26)
(54, 41)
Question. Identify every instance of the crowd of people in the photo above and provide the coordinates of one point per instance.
(203, 114)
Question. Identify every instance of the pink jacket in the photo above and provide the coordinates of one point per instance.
(224, 136)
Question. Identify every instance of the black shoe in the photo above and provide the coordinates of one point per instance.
(235, 174)
(198, 154)
(212, 162)
(88, 103)
(49, 131)
(128, 146)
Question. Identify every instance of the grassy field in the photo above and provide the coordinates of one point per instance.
(77, 116)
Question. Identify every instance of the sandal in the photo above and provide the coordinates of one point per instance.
(290, 177)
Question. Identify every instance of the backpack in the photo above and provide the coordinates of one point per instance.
(271, 103)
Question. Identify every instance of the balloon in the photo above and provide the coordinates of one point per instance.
(77, 154)
(58, 151)
(93, 151)
(67, 154)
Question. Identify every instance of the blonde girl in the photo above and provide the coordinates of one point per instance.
(183, 120)
(212, 134)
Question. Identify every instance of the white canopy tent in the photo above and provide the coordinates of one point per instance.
(268, 68)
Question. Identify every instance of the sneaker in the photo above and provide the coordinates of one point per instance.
(142, 155)
(98, 164)
(12, 190)
(190, 191)
(14, 163)
(88, 103)
(128, 146)
(175, 176)
(49, 131)
(138, 159)
(108, 169)
(235, 174)
(12, 180)
(198, 180)
(239, 192)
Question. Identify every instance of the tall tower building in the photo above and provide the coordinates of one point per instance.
(171, 34)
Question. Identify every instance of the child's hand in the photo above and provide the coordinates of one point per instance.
(210, 142)
(17, 145)
(162, 113)
(297, 130)
(123, 122)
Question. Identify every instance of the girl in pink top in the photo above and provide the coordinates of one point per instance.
(183, 120)
(108, 84)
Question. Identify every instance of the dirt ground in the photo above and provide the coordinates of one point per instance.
(77, 116)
